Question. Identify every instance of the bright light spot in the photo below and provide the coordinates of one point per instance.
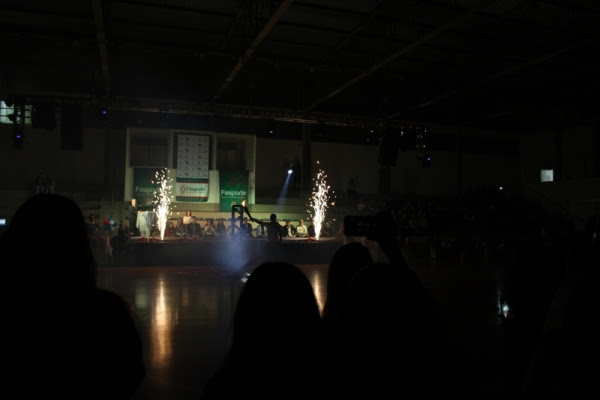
(318, 202)
(162, 200)
(289, 171)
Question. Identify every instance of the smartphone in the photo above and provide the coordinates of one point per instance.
(359, 225)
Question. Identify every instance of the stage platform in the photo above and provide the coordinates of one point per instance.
(225, 251)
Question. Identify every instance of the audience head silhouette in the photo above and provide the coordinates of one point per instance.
(46, 243)
(276, 306)
(343, 266)
(275, 334)
(65, 337)
(391, 319)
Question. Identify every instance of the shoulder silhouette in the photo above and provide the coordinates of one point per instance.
(389, 337)
(64, 337)
(274, 351)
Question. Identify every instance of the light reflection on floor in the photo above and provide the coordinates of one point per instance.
(184, 316)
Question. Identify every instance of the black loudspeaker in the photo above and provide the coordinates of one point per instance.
(43, 116)
(71, 127)
(388, 150)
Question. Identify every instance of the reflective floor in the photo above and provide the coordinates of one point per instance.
(183, 314)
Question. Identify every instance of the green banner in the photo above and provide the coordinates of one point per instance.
(233, 188)
(192, 191)
(143, 188)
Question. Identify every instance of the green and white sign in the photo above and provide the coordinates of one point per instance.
(191, 181)
(143, 188)
(233, 188)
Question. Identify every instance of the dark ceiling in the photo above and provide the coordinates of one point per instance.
(345, 66)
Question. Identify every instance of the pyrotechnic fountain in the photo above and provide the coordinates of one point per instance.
(162, 200)
(318, 201)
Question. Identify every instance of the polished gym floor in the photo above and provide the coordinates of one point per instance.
(184, 312)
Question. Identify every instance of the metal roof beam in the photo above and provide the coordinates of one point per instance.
(425, 38)
(254, 45)
(101, 37)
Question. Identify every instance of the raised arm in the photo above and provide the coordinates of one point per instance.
(245, 209)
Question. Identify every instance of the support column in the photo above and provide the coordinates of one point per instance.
(459, 163)
(596, 154)
(306, 158)
(558, 156)
(385, 177)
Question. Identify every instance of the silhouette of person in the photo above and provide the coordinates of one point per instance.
(563, 360)
(345, 263)
(121, 243)
(64, 337)
(386, 330)
(389, 336)
(133, 215)
(221, 228)
(274, 228)
(170, 229)
(343, 266)
(187, 220)
(301, 229)
(275, 350)
(92, 227)
(40, 180)
(246, 228)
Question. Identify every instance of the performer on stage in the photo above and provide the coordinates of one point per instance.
(274, 229)
(133, 214)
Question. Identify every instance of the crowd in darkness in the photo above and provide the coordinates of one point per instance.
(482, 217)
(381, 330)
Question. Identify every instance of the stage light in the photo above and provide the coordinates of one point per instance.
(426, 162)
(18, 140)
(285, 187)
(103, 112)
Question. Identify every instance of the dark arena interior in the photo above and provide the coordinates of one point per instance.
(473, 125)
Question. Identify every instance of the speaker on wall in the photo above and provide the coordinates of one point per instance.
(43, 116)
(71, 127)
(388, 150)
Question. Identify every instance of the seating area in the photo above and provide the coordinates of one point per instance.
(434, 226)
